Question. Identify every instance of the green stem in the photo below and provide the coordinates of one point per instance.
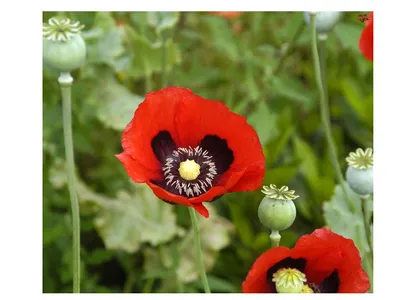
(148, 287)
(129, 282)
(275, 238)
(180, 288)
(367, 226)
(198, 250)
(322, 37)
(65, 81)
(324, 111)
(291, 44)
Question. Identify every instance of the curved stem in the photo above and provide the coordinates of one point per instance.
(65, 81)
(275, 238)
(324, 111)
(198, 250)
(367, 226)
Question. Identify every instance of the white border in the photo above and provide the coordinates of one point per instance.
(21, 129)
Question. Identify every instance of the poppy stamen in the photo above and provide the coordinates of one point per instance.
(289, 280)
(189, 171)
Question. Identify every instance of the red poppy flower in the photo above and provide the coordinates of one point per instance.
(227, 14)
(366, 43)
(330, 262)
(191, 150)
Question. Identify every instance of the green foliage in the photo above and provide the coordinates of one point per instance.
(132, 241)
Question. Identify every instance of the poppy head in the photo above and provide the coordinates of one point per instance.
(191, 150)
(322, 262)
(366, 43)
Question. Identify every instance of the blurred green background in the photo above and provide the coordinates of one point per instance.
(133, 242)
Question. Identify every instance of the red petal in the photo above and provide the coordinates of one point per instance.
(326, 251)
(370, 18)
(198, 117)
(167, 196)
(135, 170)
(256, 280)
(366, 43)
(155, 113)
(201, 209)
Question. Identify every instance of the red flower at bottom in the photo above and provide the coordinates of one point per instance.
(190, 150)
(366, 43)
(330, 262)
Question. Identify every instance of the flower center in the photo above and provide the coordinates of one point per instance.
(189, 170)
(288, 280)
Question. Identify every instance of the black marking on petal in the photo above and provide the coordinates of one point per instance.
(163, 145)
(298, 263)
(330, 284)
(219, 150)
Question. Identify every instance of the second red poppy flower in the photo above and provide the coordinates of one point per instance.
(191, 150)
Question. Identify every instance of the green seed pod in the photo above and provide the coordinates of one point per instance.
(359, 174)
(360, 181)
(63, 47)
(277, 210)
(325, 20)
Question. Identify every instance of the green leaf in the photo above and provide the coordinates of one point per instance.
(264, 122)
(294, 90)
(215, 234)
(163, 20)
(338, 216)
(116, 104)
(349, 35)
(216, 284)
(309, 161)
(109, 46)
(99, 256)
(242, 224)
(147, 56)
(280, 175)
(127, 221)
(355, 99)
(221, 37)
(261, 242)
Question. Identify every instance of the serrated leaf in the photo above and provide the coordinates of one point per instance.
(338, 216)
(215, 234)
(116, 104)
(127, 221)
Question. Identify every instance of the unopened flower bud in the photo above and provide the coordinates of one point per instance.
(63, 46)
(277, 210)
(359, 174)
(325, 20)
